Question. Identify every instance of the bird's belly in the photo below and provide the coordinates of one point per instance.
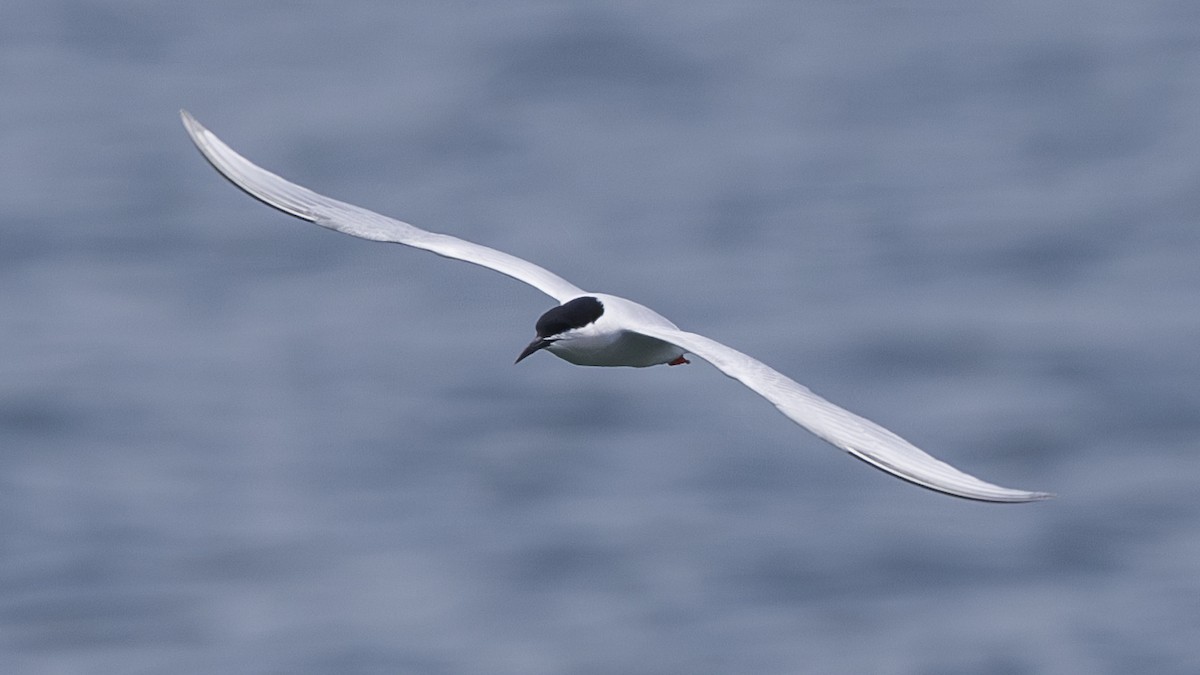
(624, 349)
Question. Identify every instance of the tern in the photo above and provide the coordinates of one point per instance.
(597, 329)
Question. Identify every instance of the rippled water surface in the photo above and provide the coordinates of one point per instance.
(231, 442)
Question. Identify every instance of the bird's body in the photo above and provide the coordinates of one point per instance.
(606, 340)
(597, 329)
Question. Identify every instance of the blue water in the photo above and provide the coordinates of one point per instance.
(231, 442)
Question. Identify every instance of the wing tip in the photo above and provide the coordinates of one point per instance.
(193, 127)
(959, 484)
(986, 493)
(995, 494)
(1038, 496)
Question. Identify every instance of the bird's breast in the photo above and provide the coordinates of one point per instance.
(621, 348)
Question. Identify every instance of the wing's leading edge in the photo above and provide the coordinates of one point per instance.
(303, 203)
(860, 437)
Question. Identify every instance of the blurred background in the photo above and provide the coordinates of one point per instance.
(232, 442)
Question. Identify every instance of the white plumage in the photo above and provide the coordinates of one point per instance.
(623, 333)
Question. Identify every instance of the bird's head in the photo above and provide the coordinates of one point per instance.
(559, 323)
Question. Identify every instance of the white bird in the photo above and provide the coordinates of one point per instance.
(596, 329)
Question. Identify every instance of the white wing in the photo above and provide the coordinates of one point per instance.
(860, 437)
(359, 222)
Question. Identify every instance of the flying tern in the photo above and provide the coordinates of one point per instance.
(597, 329)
